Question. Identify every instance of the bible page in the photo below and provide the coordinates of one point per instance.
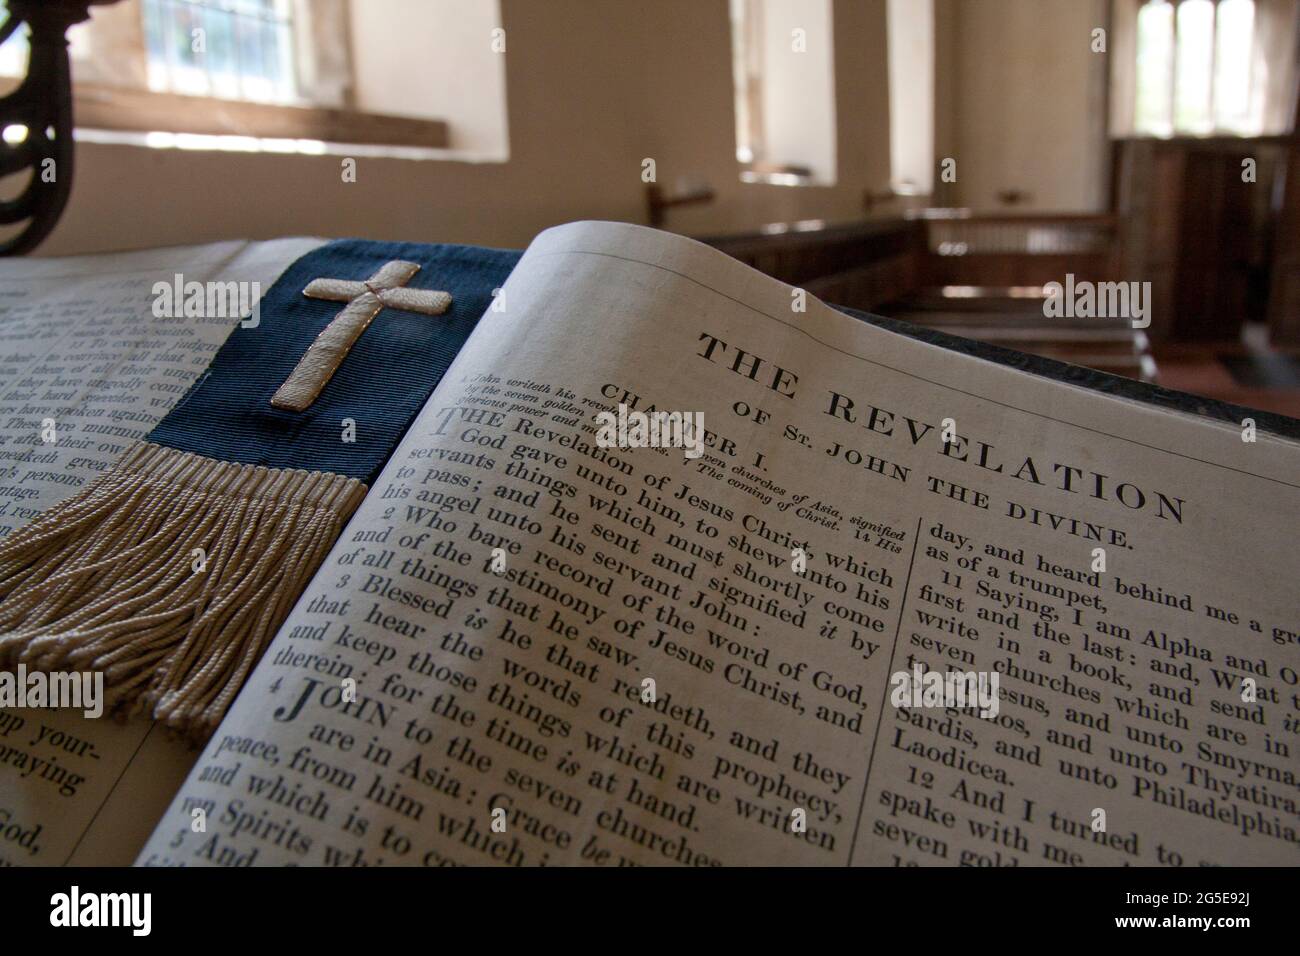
(895, 606)
(88, 367)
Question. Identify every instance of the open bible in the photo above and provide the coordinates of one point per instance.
(533, 645)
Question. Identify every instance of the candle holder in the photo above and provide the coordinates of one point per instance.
(36, 120)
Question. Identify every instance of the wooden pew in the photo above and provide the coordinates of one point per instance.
(972, 275)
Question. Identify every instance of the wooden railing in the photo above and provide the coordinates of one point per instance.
(869, 263)
(975, 275)
(960, 231)
(861, 265)
(1018, 250)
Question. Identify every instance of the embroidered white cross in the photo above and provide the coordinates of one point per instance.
(364, 300)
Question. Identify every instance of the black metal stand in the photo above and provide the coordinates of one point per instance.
(42, 104)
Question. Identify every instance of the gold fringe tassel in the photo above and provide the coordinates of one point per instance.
(104, 581)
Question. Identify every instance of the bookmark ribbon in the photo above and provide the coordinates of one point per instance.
(171, 573)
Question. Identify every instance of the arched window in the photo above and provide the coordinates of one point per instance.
(1196, 69)
(783, 69)
(232, 50)
(1233, 39)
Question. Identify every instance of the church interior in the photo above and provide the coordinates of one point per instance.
(963, 165)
